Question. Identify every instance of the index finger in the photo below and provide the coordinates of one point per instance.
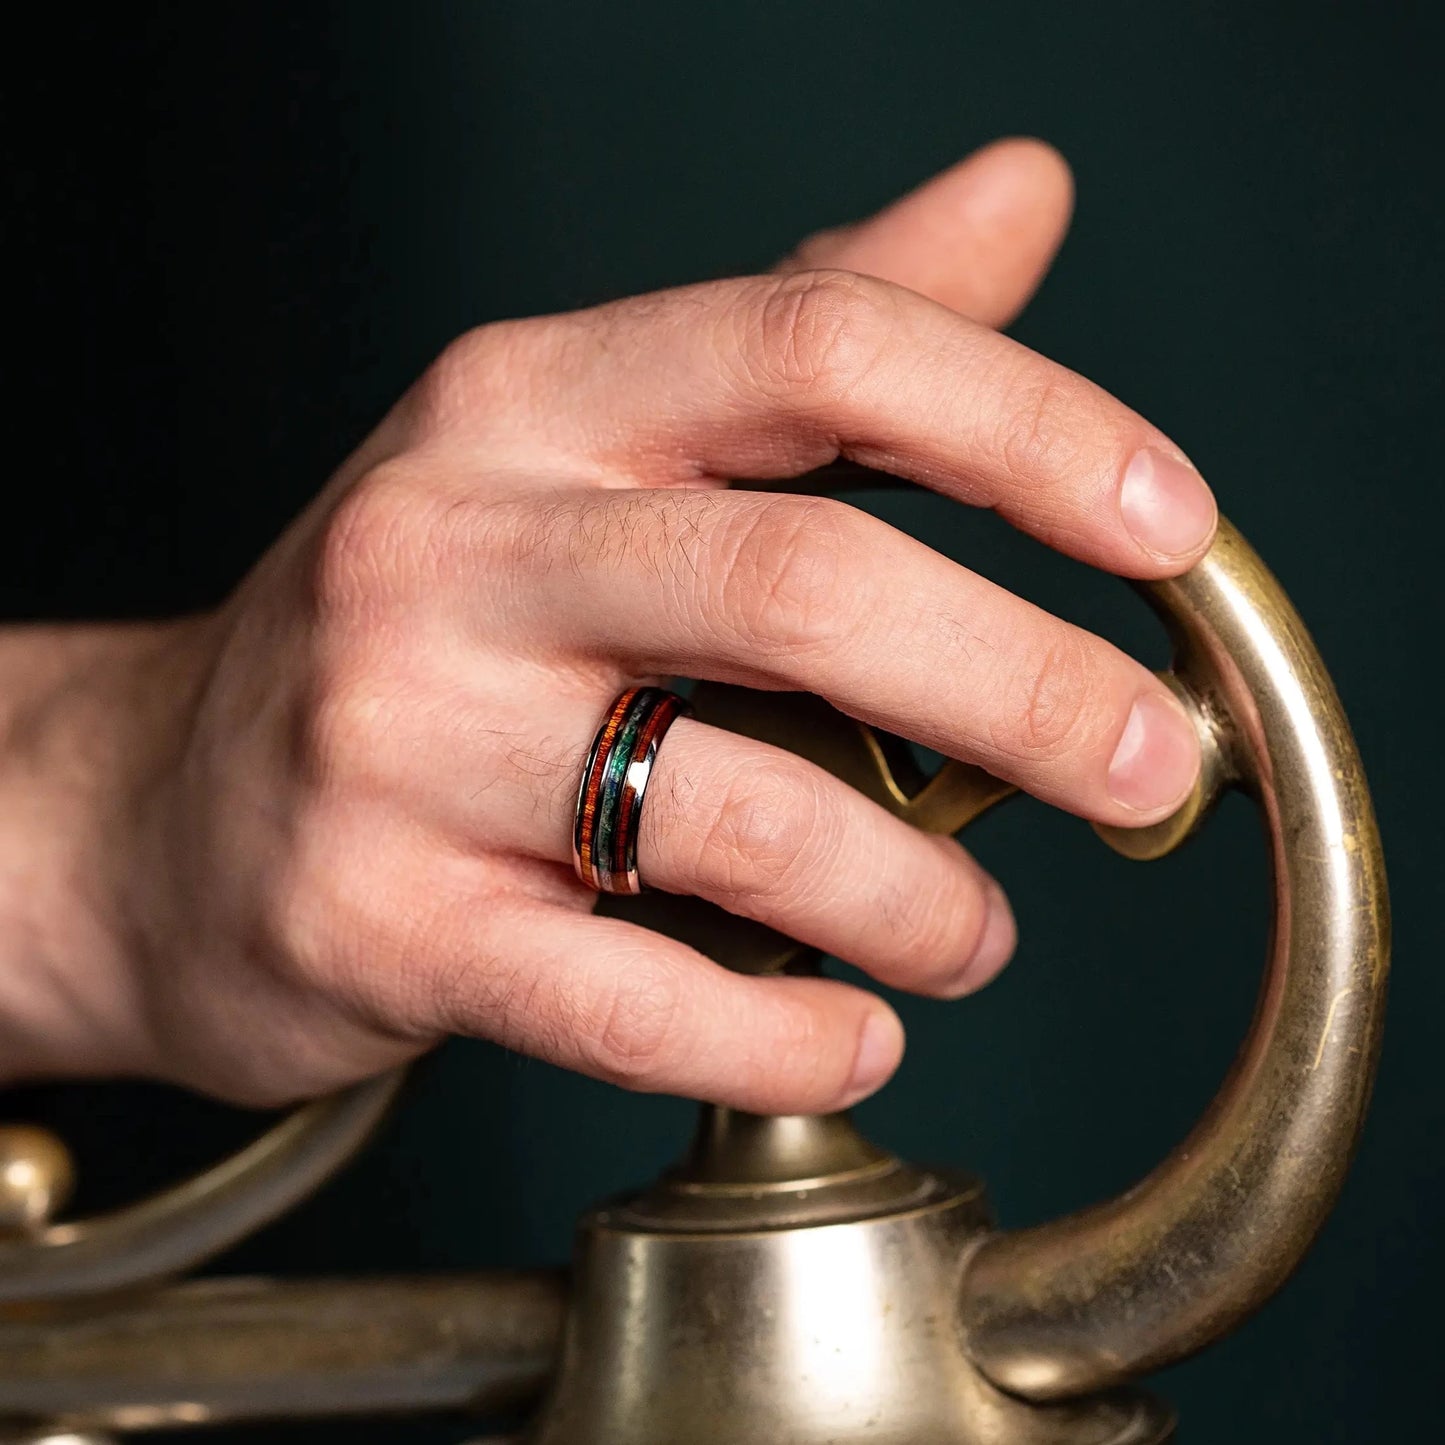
(774, 376)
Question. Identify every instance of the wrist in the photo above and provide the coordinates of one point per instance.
(89, 717)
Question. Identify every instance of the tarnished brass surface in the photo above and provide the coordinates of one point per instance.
(1148, 1278)
(37, 1175)
(787, 1172)
(176, 1230)
(820, 1335)
(245, 1349)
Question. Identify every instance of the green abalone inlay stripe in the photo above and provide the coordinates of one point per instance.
(616, 766)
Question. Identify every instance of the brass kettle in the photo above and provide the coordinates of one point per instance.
(789, 1283)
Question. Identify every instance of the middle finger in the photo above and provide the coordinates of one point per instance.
(810, 594)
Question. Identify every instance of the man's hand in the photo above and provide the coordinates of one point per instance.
(275, 849)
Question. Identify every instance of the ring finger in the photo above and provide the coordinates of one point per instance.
(768, 835)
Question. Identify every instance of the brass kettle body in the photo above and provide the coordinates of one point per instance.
(735, 1303)
(789, 1282)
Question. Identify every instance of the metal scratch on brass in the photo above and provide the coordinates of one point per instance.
(1329, 1023)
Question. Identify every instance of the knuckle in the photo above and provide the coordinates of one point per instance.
(761, 835)
(1040, 436)
(363, 543)
(465, 378)
(632, 1029)
(1051, 697)
(816, 332)
(341, 725)
(394, 537)
(783, 573)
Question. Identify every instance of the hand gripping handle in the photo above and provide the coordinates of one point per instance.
(1139, 1282)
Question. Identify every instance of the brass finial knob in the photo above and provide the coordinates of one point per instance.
(36, 1177)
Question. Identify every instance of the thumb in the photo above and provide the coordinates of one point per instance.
(977, 237)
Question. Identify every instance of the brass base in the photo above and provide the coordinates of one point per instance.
(730, 1306)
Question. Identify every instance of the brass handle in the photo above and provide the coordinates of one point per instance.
(1148, 1278)
(183, 1226)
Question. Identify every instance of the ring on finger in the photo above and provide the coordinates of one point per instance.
(614, 783)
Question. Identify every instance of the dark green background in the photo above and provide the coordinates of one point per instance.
(232, 235)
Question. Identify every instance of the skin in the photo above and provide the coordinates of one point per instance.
(272, 849)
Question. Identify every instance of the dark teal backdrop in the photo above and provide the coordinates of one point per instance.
(234, 234)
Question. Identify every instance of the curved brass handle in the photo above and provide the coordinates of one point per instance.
(1142, 1281)
(182, 1227)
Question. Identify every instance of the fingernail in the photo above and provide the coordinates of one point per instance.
(880, 1046)
(1157, 757)
(1166, 505)
(995, 946)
